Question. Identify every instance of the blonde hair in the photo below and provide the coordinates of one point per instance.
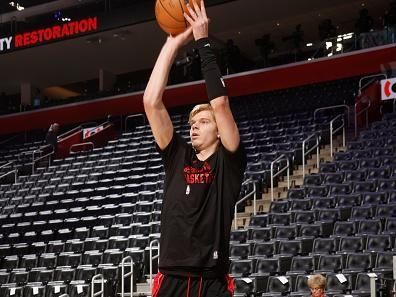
(198, 108)
(318, 280)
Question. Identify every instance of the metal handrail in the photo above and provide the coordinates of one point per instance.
(360, 112)
(333, 132)
(40, 151)
(79, 127)
(367, 77)
(125, 275)
(81, 144)
(394, 273)
(287, 167)
(7, 164)
(69, 132)
(8, 139)
(15, 172)
(131, 117)
(101, 292)
(333, 107)
(42, 157)
(310, 150)
(155, 241)
(253, 192)
(34, 153)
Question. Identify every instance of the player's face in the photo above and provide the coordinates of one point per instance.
(203, 131)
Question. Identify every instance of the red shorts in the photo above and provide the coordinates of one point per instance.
(179, 286)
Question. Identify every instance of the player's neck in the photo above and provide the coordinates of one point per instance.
(205, 153)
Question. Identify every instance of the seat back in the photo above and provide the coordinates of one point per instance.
(242, 267)
(302, 263)
(275, 285)
(330, 263)
(324, 245)
(351, 244)
(337, 284)
(358, 261)
(267, 265)
(372, 226)
(266, 248)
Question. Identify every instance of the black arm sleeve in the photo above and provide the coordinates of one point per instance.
(215, 86)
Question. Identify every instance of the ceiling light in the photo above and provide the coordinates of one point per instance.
(309, 44)
(18, 6)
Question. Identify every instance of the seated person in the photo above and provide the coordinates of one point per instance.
(317, 285)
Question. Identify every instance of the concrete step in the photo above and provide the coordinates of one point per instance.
(242, 221)
(143, 288)
(299, 172)
(280, 192)
(277, 195)
(312, 161)
(261, 206)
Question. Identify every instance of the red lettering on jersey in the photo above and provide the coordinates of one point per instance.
(199, 175)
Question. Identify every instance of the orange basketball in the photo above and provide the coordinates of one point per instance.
(169, 14)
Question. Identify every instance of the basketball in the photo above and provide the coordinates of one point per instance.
(169, 15)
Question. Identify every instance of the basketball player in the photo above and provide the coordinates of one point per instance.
(202, 180)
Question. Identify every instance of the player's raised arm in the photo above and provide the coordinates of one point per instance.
(158, 117)
(215, 86)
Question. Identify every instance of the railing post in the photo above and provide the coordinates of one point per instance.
(253, 192)
(310, 150)
(360, 112)
(235, 217)
(254, 198)
(373, 288)
(15, 172)
(367, 77)
(394, 273)
(355, 115)
(287, 167)
(125, 275)
(272, 181)
(331, 139)
(155, 241)
(333, 132)
(334, 107)
(317, 152)
(101, 292)
(303, 158)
